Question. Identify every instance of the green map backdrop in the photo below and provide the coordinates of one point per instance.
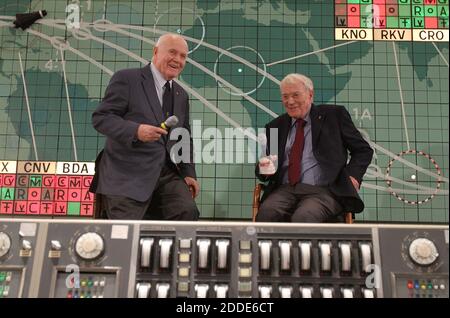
(396, 92)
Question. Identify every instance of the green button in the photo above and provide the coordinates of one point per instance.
(90, 283)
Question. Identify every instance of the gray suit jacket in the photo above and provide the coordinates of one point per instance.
(126, 166)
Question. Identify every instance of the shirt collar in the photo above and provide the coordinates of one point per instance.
(306, 119)
(158, 78)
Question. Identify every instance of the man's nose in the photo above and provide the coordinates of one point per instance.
(178, 58)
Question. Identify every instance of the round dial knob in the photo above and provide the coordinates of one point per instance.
(5, 243)
(89, 246)
(423, 251)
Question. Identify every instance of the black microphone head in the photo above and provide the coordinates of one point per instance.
(171, 121)
(25, 20)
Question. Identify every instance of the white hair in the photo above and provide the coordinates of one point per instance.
(167, 35)
(295, 78)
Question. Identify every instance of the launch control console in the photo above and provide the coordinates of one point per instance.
(144, 259)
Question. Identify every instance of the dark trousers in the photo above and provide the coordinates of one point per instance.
(300, 203)
(171, 200)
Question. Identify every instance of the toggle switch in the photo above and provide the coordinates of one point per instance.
(162, 290)
(285, 291)
(346, 256)
(146, 250)
(26, 245)
(165, 246)
(305, 256)
(326, 292)
(203, 252)
(325, 256)
(285, 255)
(201, 290)
(366, 256)
(306, 291)
(222, 253)
(264, 254)
(265, 291)
(347, 292)
(55, 245)
(143, 290)
(221, 290)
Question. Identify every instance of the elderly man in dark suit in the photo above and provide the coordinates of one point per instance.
(134, 173)
(313, 180)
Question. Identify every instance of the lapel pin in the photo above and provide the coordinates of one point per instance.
(177, 93)
(320, 116)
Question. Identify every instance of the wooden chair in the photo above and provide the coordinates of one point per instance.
(257, 198)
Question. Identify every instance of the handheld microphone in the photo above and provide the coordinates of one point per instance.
(170, 122)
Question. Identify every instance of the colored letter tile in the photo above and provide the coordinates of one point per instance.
(353, 10)
(21, 194)
(340, 9)
(60, 208)
(75, 181)
(35, 181)
(353, 22)
(34, 194)
(20, 207)
(6, 207)
(22, 180)
(74, 195)
(7, 194)
(61, 194)
(9, 180)
(73, 208)
(87, 180)
(33, 207)
(62, 181)
(49, 181)
(47, 208)
(87, 196)
(87, 209)
(47, 194)
(431, 23)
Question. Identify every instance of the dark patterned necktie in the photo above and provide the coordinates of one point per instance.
(167, 106)
(295, 157)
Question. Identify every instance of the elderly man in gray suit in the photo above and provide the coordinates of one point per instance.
(134, 172)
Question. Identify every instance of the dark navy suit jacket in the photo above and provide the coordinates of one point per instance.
(334, 136)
